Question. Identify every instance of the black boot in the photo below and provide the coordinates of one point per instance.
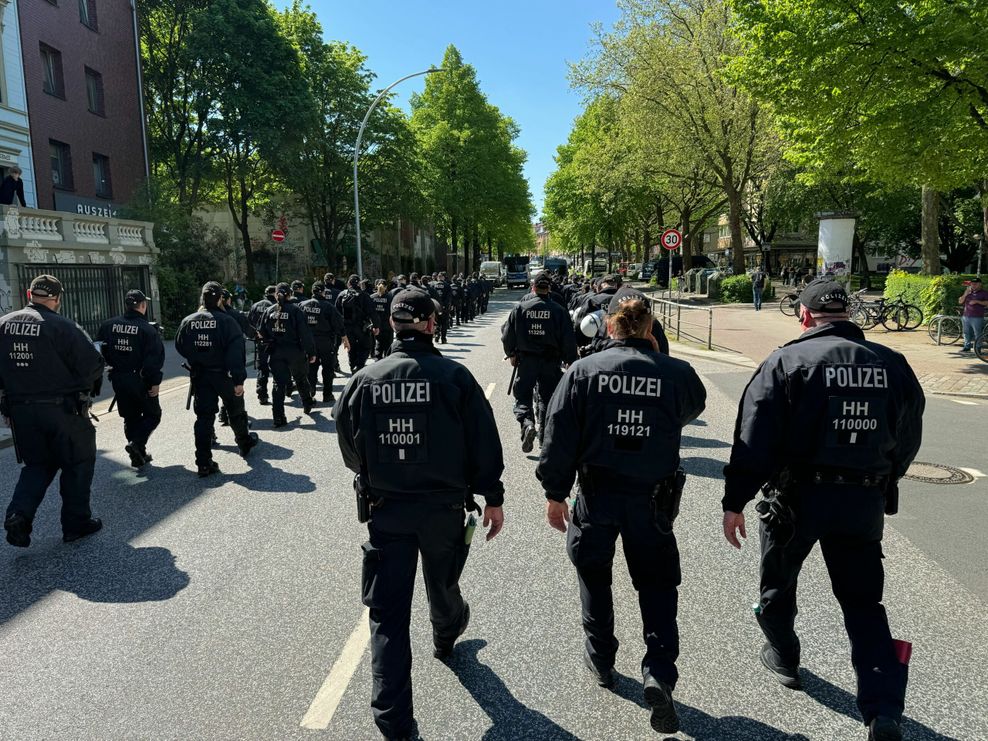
(208, 469)
(444, 649)
(527, 437)
(603, 677)
(884, 728)
(18, 529)
(84, 528)
(137, 460)
(658, 695)
(249, 444)
(328, 398)
(786, 672)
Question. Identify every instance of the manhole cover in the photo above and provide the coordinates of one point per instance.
(936, 473)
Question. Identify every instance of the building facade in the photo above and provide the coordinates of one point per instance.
(84, 103)
(15, 134)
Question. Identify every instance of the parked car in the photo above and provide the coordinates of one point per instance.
(494, 271)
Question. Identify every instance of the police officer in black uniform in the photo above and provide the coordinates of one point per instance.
(49, 371)
(135, 354)
(382, 313)
(240, 317)
(444, 295)
(286, 330)
(213, 344)
(261, 350)
(537, 338)
(358, 320)
(419, 432)
(456, 293)
(828, 424)
(600, 339)
(326, 326)
(615, 421)
(298, 292)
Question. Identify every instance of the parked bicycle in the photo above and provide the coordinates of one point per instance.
(946, 329)
(894, 315)
(981, 346)
(789, 305)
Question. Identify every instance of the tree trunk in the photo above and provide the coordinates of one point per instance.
(930, 233)
(734, 222)
(687, 246)
(245, 235)
(453, 248)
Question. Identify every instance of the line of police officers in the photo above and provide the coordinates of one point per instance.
(827, 426)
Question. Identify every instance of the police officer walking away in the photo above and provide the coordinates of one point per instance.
(537, 337)
(828, 424)
(135, 353)
(616, 421)
(262, 352)
(421, 436)
(214, 346)
(49, 370)
(382, 314)
(358, 319)
(286, 330)
(326, 326)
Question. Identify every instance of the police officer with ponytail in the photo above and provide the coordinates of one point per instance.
(827, 426)
(615, 423)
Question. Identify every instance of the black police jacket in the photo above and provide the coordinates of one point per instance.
(257, 312)
(211, 339)
(131, 344)
(356, 307)
(323, 318)
(419, 427)
(286, 330)
(618, 416)
(444, 293)
(539, 326)
(829, 399)
(45, 355)
(382, 309)
(242, 321)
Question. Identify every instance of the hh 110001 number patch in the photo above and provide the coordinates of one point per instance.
(401, 438)
(854, 420)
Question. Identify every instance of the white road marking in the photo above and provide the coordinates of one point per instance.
(965, 402)
(327, 700)
(490, 391)
(975, 472)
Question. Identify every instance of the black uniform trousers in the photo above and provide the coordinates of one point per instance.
(443, 325)
(360, 346)
(263, 370)
(653, 562)
(460, 317)
(848, 523)
(52, 437)
(398, 532)
(325, 359)
(383, 342)
(141, 413)
(535, 371)
(288, 366)
(209, 388)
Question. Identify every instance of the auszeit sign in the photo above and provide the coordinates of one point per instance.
(85, 206)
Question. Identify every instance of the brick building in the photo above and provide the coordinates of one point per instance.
(84, 103)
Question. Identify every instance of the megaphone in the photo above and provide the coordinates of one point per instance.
(591, 324)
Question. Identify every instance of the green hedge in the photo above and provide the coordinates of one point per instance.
(736, 289)
(934, 294)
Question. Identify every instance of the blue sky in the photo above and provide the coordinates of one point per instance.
(520, 50)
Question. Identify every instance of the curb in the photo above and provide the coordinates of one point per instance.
(714, 356)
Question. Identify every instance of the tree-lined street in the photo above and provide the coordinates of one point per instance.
(218, 608)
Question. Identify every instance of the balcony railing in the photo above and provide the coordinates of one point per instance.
(40, 230)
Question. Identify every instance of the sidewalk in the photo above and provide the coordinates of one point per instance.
(740, 333)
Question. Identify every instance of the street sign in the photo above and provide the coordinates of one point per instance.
(278, 235)
(671, 239)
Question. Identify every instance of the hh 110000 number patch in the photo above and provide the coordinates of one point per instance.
(854, 420)
(401, 438)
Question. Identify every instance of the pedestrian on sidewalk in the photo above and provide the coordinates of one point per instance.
(974, 300)
(758, 280)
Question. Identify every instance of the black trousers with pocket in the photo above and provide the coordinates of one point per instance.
(399, 531)
(533, 371)
(211, 387)
(141, 413)
(653, 562)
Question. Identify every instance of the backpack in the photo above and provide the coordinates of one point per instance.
(348, 306)
(758, 280)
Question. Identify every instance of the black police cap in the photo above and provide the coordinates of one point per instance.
(46, 286)
(624, 295)
(269, 291)
(821, 292)
(213, 289)
(135, 298)
(412, 305)
(297, 285)
(283, 289)
(542, 280)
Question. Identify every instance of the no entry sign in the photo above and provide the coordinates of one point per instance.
(671, 239)
(278, 235)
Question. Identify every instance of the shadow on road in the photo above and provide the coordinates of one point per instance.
(708, 468)
(511, 719)
(843, 702)
(703, 442)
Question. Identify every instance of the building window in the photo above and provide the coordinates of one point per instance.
(61, 165)
(87, 13)
(94, 91)
(101, 175)
(51, 68)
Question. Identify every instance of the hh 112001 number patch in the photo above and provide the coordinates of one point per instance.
(854, 420)
(401, 438)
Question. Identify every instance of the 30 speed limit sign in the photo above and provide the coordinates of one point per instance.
(671, 239)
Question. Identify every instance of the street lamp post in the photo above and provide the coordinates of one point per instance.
(356, 157)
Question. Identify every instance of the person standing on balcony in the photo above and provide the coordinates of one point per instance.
(12, 187)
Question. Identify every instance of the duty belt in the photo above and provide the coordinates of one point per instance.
(845, 478)
(52, 400)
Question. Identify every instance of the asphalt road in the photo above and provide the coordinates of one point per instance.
(223, 608)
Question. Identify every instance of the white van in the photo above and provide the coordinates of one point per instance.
(494, 271)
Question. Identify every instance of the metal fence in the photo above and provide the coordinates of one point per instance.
(694, 323)
(92, 293)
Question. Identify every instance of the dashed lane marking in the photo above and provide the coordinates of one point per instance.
(965, 402)
(490, 391)
(328, 698)
(974, 472)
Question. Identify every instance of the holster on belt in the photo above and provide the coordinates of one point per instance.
(775, 509)
(362, 490)
(666, 497)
